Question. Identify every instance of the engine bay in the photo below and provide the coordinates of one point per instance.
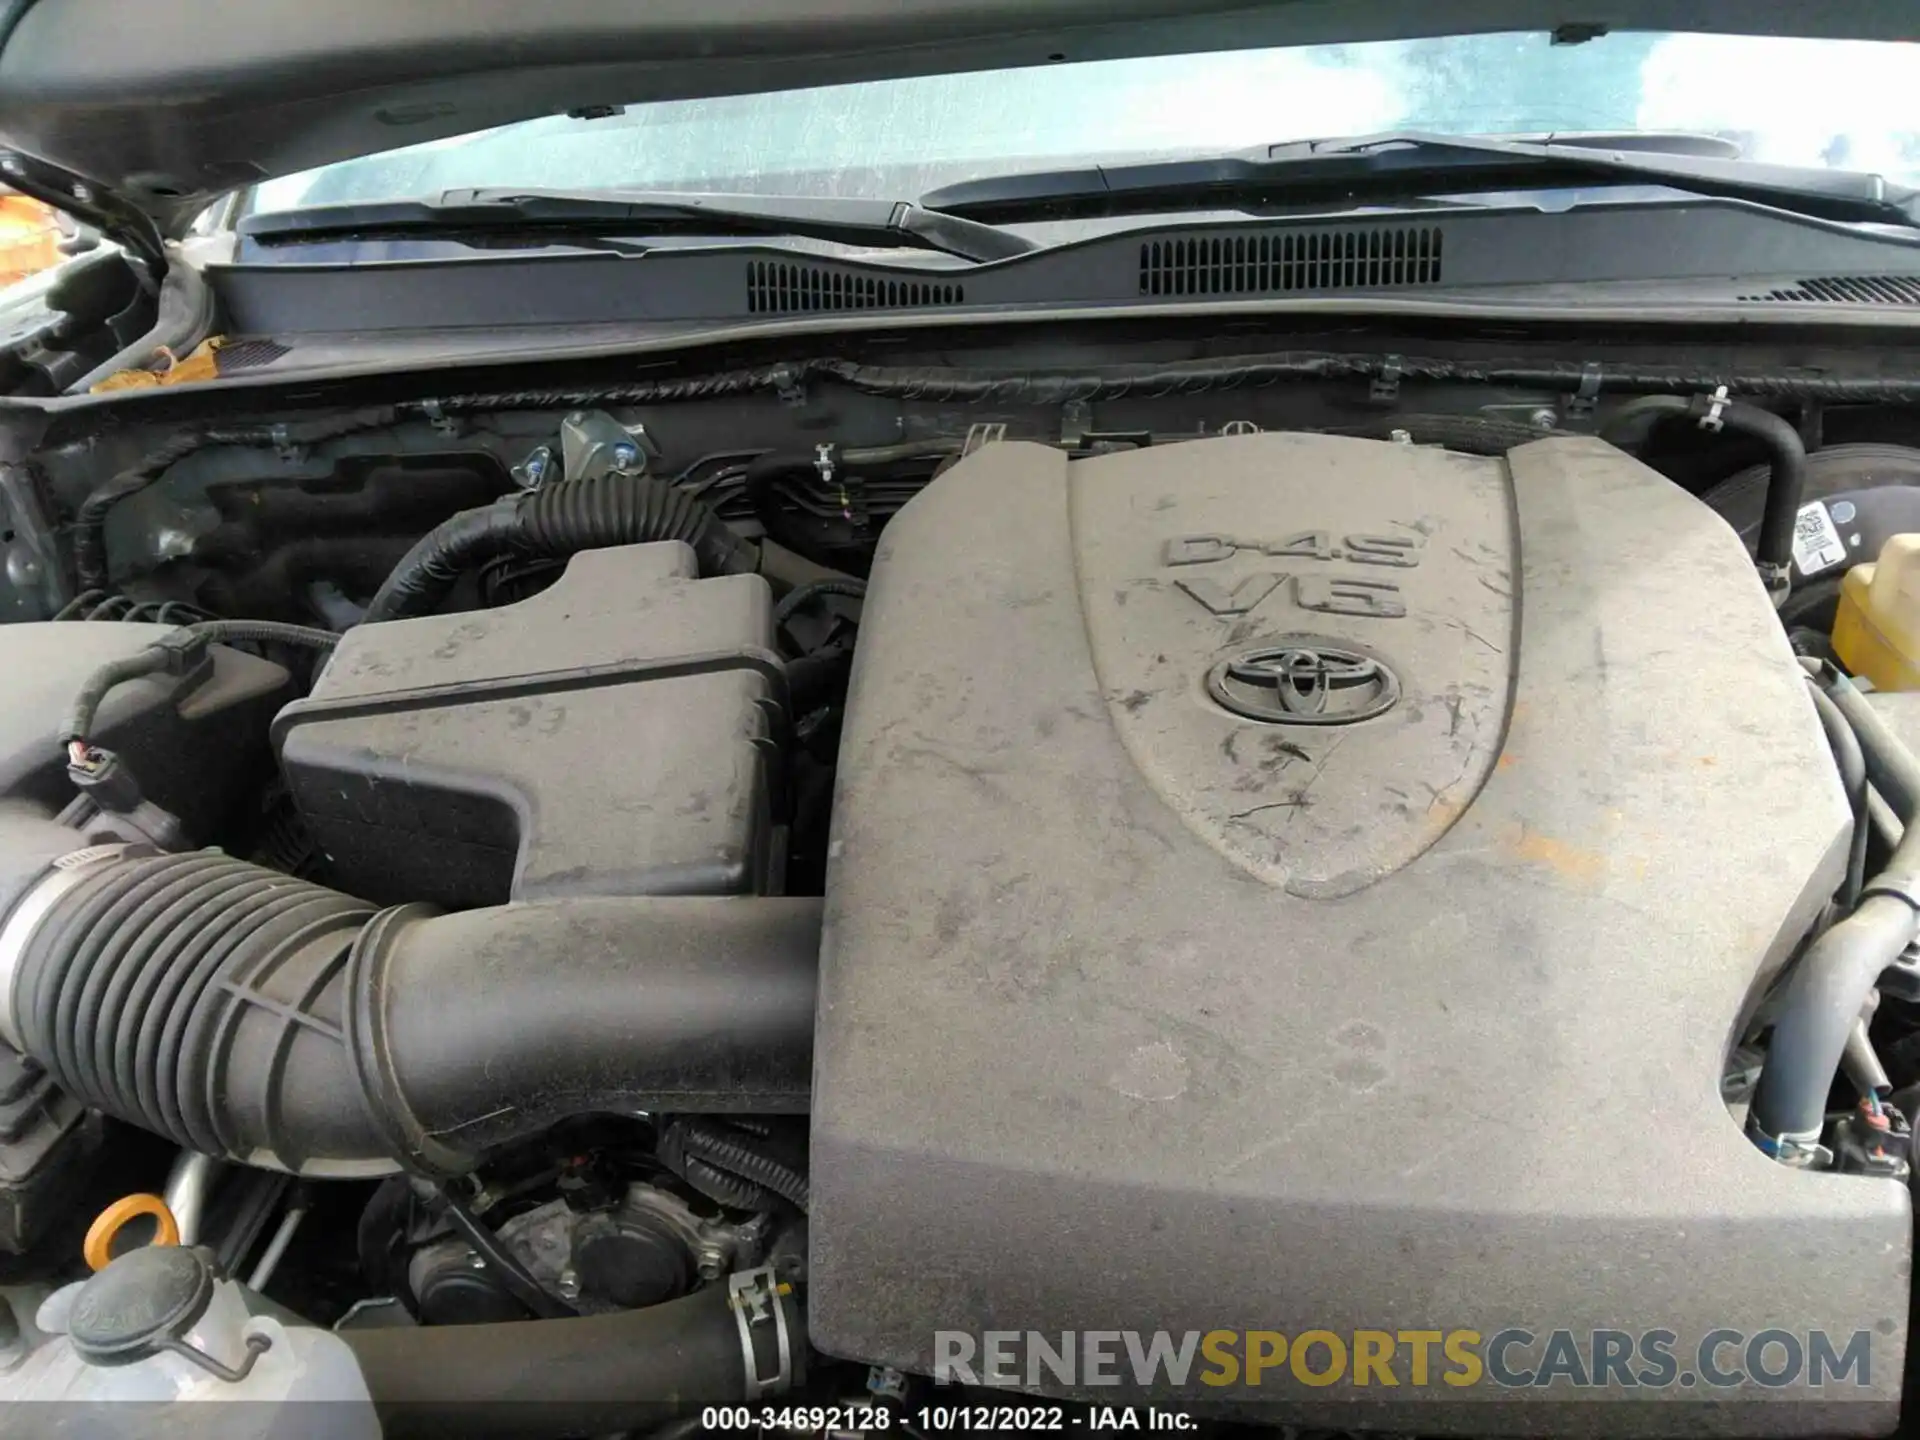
(790, 862)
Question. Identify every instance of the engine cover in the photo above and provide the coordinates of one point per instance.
(1287, 882)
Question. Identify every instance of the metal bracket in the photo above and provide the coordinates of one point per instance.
(755, 1297)
(1386, 385)
(283, 447)
(1801, 1152)
(1076, 419)
(531, 473)
(1580, 405)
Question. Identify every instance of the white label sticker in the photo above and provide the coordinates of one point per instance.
(1816, 543)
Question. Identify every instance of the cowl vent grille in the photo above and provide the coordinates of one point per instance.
(777, 288)
(1266, 262)
(1848, 290)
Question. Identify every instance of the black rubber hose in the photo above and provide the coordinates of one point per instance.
(801, 595)
(594, 1375)
(819, 679)
(1832, 980)
(1788, 461)
(245, 1013)
(553, 523)
(1784, 490)
(1853, 779)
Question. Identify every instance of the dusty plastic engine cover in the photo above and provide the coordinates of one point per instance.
(1137, 1013)
(610, 735)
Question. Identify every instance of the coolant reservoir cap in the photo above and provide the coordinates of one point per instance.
(147, 1295)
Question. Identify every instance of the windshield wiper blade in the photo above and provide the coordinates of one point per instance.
(1401, 166)
(562, 213)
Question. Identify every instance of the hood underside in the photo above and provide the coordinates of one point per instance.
(170, 103)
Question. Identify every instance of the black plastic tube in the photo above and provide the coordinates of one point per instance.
(1786, 486)
(802, 595)
(245, 1013)
(1787, 481)
(594, 1375)
(553, 523)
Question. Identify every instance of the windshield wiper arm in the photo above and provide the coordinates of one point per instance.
(561, 213)
(1401, 166)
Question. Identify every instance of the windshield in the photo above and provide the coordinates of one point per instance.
(1806, 102)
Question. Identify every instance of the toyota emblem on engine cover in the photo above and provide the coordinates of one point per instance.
(1302, 680)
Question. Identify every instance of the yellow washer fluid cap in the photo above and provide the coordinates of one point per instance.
(1877, 631)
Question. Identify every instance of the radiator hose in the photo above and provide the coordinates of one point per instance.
(244, 1013)
(553, 522)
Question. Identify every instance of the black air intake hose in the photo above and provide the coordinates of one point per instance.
(242, 1012)
(553, 523)
(591, 1376)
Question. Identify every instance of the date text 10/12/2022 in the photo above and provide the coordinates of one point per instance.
(1035, 1416)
